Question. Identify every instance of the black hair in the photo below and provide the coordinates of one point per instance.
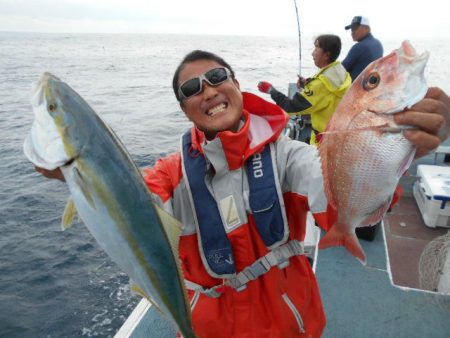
(194, 56)
(330, 43)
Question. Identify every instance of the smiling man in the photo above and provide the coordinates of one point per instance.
(214, 110)
(366, 50)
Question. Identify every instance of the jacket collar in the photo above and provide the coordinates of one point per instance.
(263, 122)
(330, 65)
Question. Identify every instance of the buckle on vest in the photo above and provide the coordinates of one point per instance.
(241, 288)
(213, 292)
(284, 264)
(277, 257)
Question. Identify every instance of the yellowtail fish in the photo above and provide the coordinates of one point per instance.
(110, 195)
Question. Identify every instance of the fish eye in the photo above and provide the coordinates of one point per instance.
(52, 107)
(372, 81)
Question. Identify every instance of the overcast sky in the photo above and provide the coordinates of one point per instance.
(389, 18)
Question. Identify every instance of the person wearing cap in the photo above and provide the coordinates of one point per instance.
(320, 94)
(366, 50)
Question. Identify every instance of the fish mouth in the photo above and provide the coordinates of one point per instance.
(43, 146)
(411, 57)
(37, 93)
(408, 49)
(413, 64)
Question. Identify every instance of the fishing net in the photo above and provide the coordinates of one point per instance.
(434, 270)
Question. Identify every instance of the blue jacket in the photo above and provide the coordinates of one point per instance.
(361, 54)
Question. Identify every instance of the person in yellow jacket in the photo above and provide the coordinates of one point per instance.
(320, 94)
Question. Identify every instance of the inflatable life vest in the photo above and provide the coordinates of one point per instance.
(264, 199)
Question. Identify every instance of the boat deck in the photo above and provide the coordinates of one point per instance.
(361, 301)
(406, 233)
(406, 237)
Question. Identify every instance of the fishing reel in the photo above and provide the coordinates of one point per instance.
(298, 128)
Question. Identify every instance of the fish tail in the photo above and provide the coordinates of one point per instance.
(334, 237)
(354, 247)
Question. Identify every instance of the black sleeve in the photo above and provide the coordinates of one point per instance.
(294, 105)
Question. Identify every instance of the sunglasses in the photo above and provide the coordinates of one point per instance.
(213, 77)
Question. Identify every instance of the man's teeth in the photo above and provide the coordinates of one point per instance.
(217, 109)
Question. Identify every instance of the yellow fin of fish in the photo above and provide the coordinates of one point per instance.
(138, 290)
(172, 227)
(173, 230)
(70, 211)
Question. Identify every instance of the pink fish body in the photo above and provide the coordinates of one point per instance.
(363, 153)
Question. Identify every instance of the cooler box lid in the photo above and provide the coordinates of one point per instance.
(435, 180)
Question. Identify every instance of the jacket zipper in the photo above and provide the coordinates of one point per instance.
(295, 312)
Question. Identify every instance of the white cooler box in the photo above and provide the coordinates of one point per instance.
(432, 194)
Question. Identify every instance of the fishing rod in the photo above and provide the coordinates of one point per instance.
(299, 42)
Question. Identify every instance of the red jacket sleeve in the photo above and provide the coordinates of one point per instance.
(165, 176)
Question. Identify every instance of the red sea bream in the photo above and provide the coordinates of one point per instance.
(363, 151)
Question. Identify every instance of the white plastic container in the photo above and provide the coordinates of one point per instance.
(432, 194)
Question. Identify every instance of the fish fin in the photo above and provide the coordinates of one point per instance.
(139, 291)
(359, 123)
(171, 226)
(69, 214)
(83, 187)
(334, 237)
(173, 230)
(382, 128)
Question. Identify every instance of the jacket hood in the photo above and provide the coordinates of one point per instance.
(335, 78)
(263, 122)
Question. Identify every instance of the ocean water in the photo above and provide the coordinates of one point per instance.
(60, 284)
